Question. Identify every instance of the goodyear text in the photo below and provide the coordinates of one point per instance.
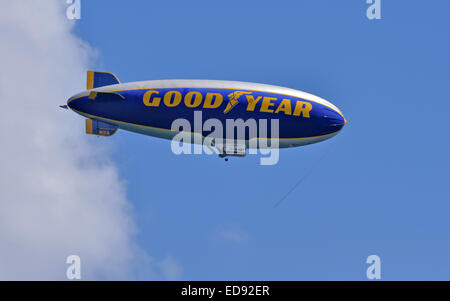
(215, 100)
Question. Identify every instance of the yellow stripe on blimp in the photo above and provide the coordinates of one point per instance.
(112, 121)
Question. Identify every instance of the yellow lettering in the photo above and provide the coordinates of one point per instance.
(302, 108)
(266, 104)
(154, 102)
(285, 106)
(197, 99)
(176, 99)
(252, 102)
(213, 100)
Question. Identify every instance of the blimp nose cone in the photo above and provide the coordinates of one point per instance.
(334, 120)
(77, 104)
(71, 103)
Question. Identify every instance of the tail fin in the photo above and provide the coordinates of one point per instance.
(97, 79)
(100, 128)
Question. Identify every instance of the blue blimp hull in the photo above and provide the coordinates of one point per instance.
(151, 107)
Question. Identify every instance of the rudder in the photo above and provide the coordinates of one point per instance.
(100, 128)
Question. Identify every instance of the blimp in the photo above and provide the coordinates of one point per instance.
(198, 110)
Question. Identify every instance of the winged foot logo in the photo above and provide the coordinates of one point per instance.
(234, 100)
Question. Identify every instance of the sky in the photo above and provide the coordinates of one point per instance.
(377, 188)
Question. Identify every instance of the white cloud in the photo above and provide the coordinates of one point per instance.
(60, 195)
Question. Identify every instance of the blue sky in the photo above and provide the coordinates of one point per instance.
(381, 187)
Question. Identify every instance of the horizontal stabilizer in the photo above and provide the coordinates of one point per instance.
(100, 128)
(97, 79)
